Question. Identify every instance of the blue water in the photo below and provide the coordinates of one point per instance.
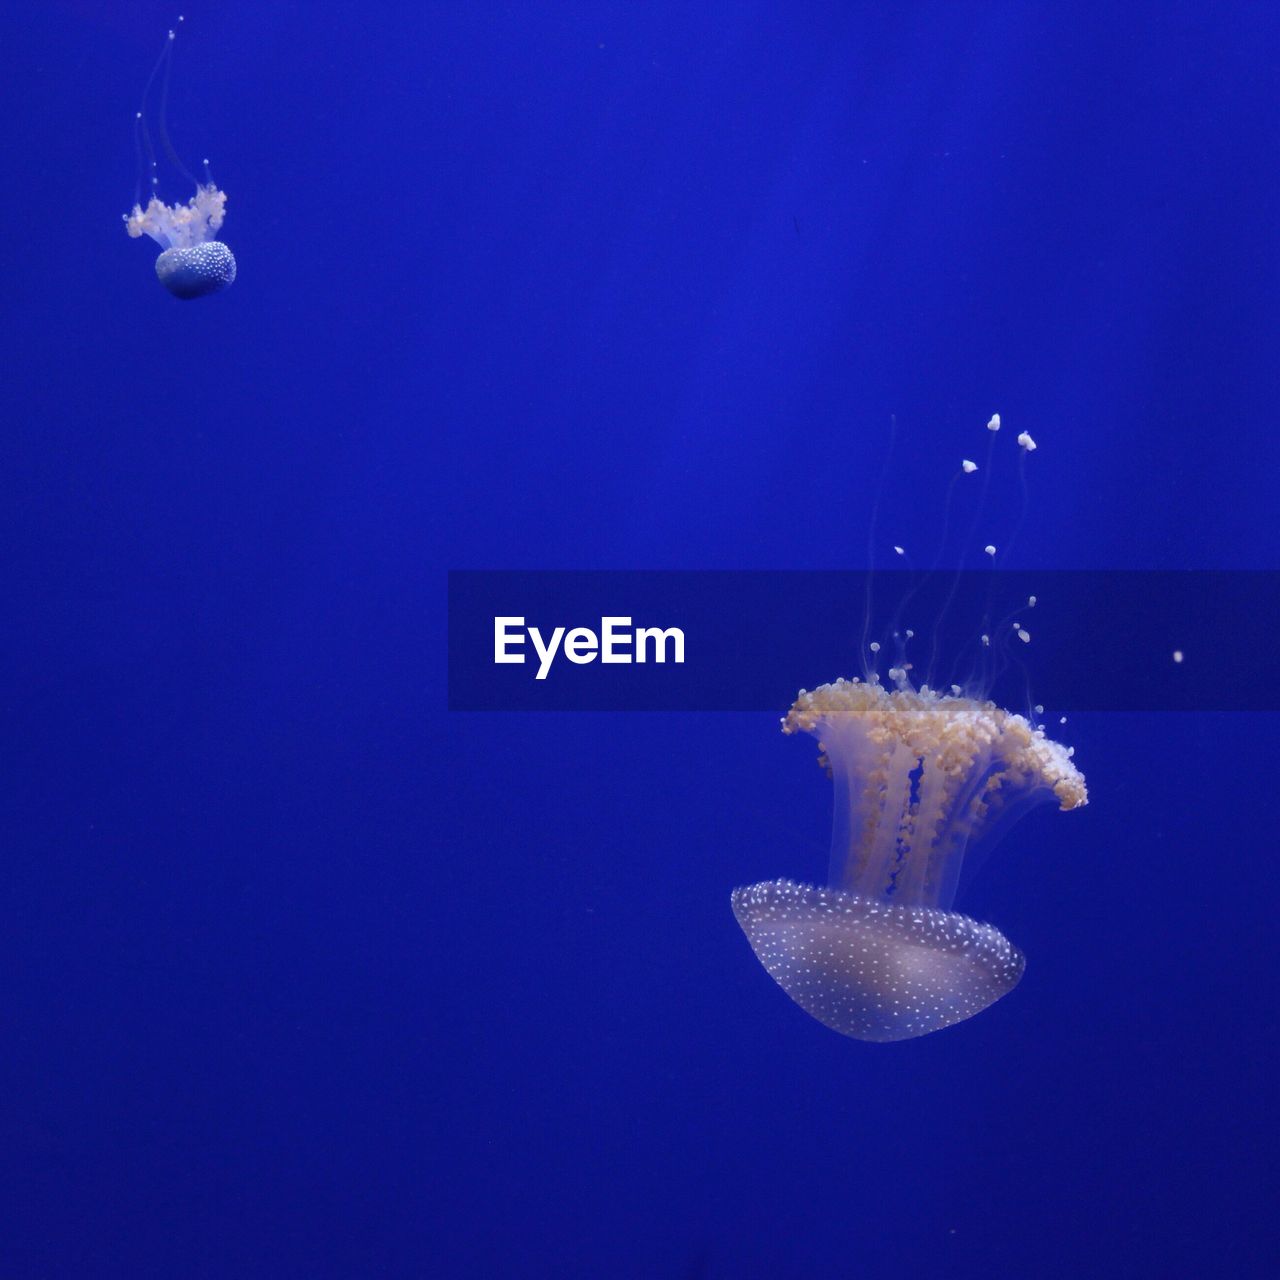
(303, 976)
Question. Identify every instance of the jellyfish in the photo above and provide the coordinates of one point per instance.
(193, 261)
(921, 780)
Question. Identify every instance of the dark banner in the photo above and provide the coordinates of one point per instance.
(729, 641)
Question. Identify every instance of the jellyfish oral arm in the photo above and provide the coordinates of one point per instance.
(180, 226)
(917, 777)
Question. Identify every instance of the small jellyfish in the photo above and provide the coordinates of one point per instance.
(920, 778)
(194, 262)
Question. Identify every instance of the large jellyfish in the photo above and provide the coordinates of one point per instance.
(920, 778)
(193, 261)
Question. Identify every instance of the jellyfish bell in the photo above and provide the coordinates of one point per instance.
(193, 262)
(921, 779)
(875, 971)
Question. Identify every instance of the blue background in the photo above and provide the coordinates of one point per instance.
(304, 976)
